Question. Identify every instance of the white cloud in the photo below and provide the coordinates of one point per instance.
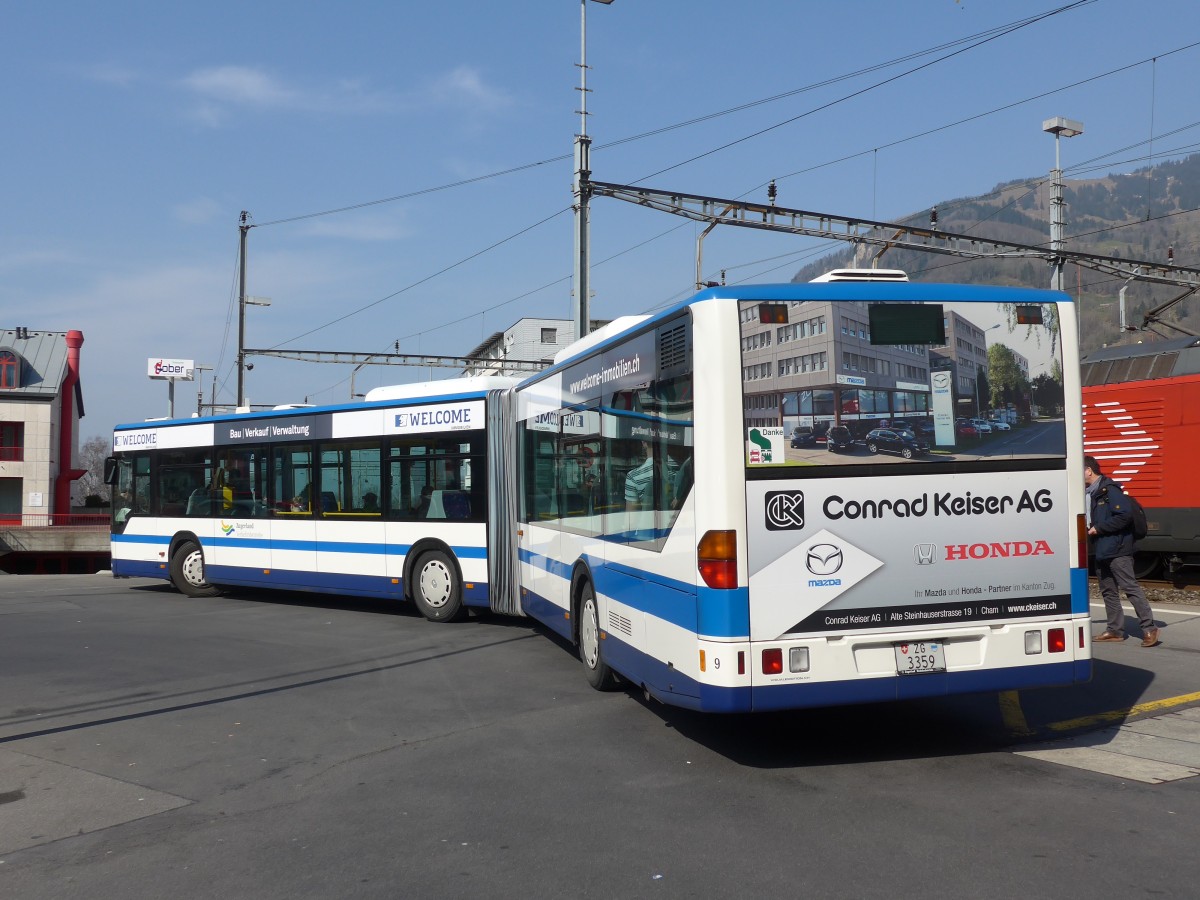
(222, 88)
(200, 211)
(242, 86)
(14, 260)
(466, 87)
(358, 228)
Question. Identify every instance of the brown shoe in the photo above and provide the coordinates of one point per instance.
(1150, 637)
(1108, 636)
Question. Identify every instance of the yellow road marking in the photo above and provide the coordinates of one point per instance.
(1013, 715)
(1115, 714)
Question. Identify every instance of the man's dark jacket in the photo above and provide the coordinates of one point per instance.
(1112, 517)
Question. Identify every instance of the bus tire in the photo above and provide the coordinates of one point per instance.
(437, 590)
(187, 571)
(598, 674)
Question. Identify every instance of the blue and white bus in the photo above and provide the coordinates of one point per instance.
(641, 498)
(387, 497)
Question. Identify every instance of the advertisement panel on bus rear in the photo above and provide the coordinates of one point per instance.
(849, 553)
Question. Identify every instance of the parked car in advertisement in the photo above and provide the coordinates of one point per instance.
(839, 439)
(982, 426)
(802, 436)
(998, 425)
(888, 440)
(966, 429)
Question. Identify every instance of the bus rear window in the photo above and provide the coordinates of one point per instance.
(854, 381)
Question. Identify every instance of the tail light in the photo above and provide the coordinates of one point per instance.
(717, 559)
(1056, 638)
(772, 661)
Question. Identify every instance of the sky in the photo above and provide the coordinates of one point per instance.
(407, 166)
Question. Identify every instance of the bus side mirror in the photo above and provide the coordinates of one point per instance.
(110, 470)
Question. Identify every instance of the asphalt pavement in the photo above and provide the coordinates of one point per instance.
(284, 745)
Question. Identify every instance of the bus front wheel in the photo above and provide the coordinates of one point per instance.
(438, 593)
(187, 571)
(599, 675)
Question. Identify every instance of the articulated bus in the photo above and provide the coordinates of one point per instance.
(383, 498)
(639, 500)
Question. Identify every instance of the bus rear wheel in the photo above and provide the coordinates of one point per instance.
(438, 593)
(187, 571)
(598, 674)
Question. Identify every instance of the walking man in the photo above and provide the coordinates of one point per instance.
(1110, 533)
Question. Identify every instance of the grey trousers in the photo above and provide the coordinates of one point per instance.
(1116, 575)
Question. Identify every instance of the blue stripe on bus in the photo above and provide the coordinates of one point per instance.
(545, 563)
(715, 613)
(139, 568)
(141, 539)
(655, 597)
(721, 614)
(670, 685)
(549, 614)
(1079, 591)
(462, 552)
(340, 583)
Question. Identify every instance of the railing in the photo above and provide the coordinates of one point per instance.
(91, 521)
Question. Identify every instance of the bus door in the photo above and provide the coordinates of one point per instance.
(297, 501)
(545, 584)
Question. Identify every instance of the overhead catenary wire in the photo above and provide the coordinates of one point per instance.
(997, 31)
(994, 33)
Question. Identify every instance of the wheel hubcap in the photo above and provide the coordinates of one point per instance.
(435, 583)
(193, 568)
(589, 633)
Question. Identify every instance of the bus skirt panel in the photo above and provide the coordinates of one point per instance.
(669, 685)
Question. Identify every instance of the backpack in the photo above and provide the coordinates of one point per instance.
(1140, 527)
(1137, 514)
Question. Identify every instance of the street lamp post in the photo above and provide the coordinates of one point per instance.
(1060, 128)
(200, 370)
(581, 188)
(242, 366)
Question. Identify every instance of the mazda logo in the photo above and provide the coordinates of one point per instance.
(824, 559)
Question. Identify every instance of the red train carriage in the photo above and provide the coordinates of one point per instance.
(1141, 420)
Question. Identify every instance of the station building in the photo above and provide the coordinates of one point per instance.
(529, 340)
(41, 403)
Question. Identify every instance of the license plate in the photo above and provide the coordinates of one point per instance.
(920, 657)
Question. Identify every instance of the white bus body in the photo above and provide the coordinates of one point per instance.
(642, 499)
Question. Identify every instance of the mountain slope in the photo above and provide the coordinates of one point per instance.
(1109, 216)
